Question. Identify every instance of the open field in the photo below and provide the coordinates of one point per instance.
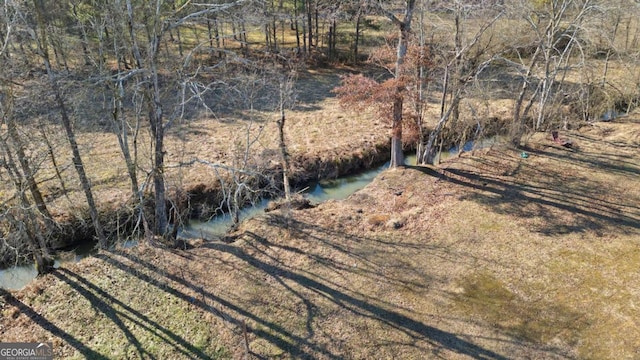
(501, 253)
(490, 255)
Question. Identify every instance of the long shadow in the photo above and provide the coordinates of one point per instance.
(615, 144)
(103, 302)
(279, 335)
(507, 196)
(362, 305)
(604, 161)
(411, 327)
(309, 305)
(332, 264)
(516, 195)
(322, 235)
(47, 325)
(552, 185)
(295, 346)
(314, 88)
(101, 306)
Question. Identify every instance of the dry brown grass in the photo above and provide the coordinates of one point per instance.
(498, 257)
(323, 139)
(318, 131)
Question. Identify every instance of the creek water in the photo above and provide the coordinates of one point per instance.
(340, 188)
(330, 189)
(16, 277)
(336, 189)
(611, 115)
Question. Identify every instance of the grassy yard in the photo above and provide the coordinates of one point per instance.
(490, 255)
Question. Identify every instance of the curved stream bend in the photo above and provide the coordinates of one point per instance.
(17, 277)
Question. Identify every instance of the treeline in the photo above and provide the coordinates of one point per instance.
(137, 68)
(534, 65)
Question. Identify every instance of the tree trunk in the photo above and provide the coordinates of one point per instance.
(267, 37)
(27, 171)
(157, 130)
(77, 162)
(4, 45)
(397, 157)
(179, 40)
(216, 31)
(274, 28)
(120, 125)
(209, 33)
(420, 96)
(317, 34)
(282, 143)
(330, 40)
(295, 25)
(234, 31)
(309, 25)
(334, 37)
(518, 118)
(84, 39)
(404, 27)
(430, 150)
(297, 30)
(52, 156)
(356, 40)
(304, 37)
(243, 34)
(31, 225)
(66, 123)
(135, 49)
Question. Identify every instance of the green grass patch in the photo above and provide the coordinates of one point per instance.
(605, 285)
(120, 315)
(539, 321)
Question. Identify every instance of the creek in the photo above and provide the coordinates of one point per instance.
(17, 277)
(336, 189)
(323, 190)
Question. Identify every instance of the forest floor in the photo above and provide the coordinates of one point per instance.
(491, 255)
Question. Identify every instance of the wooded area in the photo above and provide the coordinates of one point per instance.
(440, 72)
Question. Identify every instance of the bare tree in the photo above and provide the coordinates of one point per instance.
(41, 39)
(556, 27)
(158, 23)
(558, 41)
(30, 221)
(404, 31)
(286, 96)
(468, 57)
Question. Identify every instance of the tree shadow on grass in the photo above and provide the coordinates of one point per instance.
(207, 301)
(312, 89)
(366, 266)
(566, 205)
(279, 335)
(47, 325)
(369, 308)
(105, 303)
(611, 162)
(365, 304)
(255, 260)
